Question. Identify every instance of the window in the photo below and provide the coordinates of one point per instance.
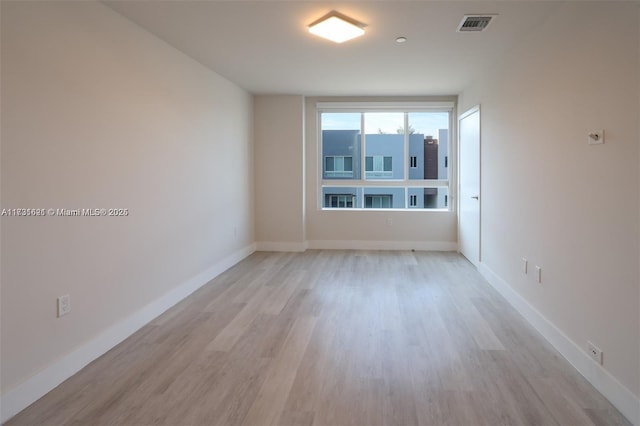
(338, 167)
(381, 156)
(378, 201)
(340, 201)
(341, 197)
(378, 166)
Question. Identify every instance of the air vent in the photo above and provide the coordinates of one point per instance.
(474, 23)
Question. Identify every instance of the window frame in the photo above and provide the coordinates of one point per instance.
(406, 183)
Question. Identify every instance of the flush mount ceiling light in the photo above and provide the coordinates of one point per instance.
(337, 27)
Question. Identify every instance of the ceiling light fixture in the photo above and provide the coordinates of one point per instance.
(337, 27)
(401, 39)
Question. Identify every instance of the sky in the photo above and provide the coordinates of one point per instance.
(426, 123)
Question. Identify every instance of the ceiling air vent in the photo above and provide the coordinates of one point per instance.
(474, 23)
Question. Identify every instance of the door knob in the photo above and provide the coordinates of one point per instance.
(475, 197)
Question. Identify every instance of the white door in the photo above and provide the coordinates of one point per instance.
(469, 195)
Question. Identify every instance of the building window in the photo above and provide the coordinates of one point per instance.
(338, 167)
(378, 201)
(384, 155)
(340, 201)
(378, 166)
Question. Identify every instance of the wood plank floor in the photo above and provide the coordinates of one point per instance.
(332, 338)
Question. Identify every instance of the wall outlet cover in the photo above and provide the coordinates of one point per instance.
(594, 352)
(64, 305)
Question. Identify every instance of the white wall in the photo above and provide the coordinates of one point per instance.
(286, 189)
(421, 230)
(569, 207)
(96, 113)
(279, 172)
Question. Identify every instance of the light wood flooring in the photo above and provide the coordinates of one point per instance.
(332, 338)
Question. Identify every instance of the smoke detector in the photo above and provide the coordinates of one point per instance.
(474, 23)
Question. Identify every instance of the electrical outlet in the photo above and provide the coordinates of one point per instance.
(389, 221)
(594, 352)
(539, 274)
(524, 265)
(64, 305)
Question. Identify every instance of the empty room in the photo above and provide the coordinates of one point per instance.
(319, 213)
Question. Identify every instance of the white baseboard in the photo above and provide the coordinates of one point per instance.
(382, 245)
(621, 397)
(281, 246)
(32, 389)
(356, 245)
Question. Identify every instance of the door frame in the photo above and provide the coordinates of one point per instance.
(468, 112)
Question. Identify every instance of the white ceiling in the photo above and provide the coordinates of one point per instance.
(265, 47)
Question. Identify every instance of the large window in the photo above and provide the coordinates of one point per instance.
(385, 156)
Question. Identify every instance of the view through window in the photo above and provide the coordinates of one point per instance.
(385, 159)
